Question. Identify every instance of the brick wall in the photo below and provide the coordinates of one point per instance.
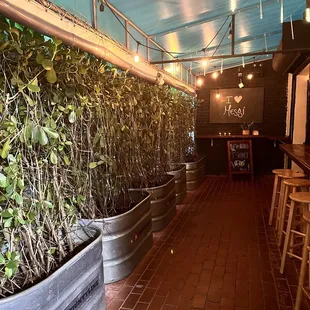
(266, 156)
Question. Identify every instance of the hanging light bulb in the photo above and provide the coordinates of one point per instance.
(243, 64)
(250, 76)
(218, 95)
(215, 75)
(137, 57)
(204, 62)
(233, 5)
(199, 82)
(222, 62)
(254, 62)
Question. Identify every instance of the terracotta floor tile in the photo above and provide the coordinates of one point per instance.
(141, 306)
(147, 295)
(115, 304)
(157, 303)
(131, 301)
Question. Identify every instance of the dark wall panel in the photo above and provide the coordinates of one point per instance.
(266, 156)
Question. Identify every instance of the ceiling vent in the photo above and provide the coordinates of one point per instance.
(293, 39)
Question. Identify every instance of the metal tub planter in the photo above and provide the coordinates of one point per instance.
(195, 173)
(179, 172)
(78, 284)
(126, 237)
(163, 203)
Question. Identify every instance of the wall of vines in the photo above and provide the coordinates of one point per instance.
(75, 135)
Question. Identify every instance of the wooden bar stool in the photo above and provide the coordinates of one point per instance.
(296, 197)
(288, 187)
(276, 192)
(304, 262)
(283, 198)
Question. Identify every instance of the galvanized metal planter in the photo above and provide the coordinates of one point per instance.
(163, 203)
(180, 182)
(126, 238)
(78, 284)
(195, 173)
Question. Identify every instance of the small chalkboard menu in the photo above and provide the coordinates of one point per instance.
(240, 158)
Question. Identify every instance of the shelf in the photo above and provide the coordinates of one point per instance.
(279, 138)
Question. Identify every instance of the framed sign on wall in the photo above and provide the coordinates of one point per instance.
(237, 105)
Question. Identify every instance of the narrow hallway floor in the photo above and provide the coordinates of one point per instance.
(217, 253)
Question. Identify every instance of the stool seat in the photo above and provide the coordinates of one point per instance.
(303, 197)
(291, 175)
(277, 171)
(306, 216)
(297, 182)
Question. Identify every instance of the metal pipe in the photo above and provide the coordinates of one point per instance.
(36, 16)
(127, 34)
(302, 50)
(233, 32)
(95, 21)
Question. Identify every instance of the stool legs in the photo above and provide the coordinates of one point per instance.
(274, 198)
(303, 269)
(288, 235)
(279, 212)
(282, 214)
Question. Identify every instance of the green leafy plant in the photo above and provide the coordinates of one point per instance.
(75, 135)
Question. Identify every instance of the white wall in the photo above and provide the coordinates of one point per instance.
(299, 134)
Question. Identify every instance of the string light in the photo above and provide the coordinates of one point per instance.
(215, 75)
(199, 82)
(218, 95)
(136, 57)
(233, 5)
(250, 76)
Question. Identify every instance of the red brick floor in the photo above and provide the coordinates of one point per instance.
(217, 253)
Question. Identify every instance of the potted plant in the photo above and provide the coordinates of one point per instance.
(181, 124)
(246, 128)
(44, 254)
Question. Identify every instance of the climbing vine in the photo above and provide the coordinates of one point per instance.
(75, 135)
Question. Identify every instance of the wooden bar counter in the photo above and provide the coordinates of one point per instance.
(299, 153)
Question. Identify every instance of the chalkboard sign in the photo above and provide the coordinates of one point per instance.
(237, 105)
(240, 160)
